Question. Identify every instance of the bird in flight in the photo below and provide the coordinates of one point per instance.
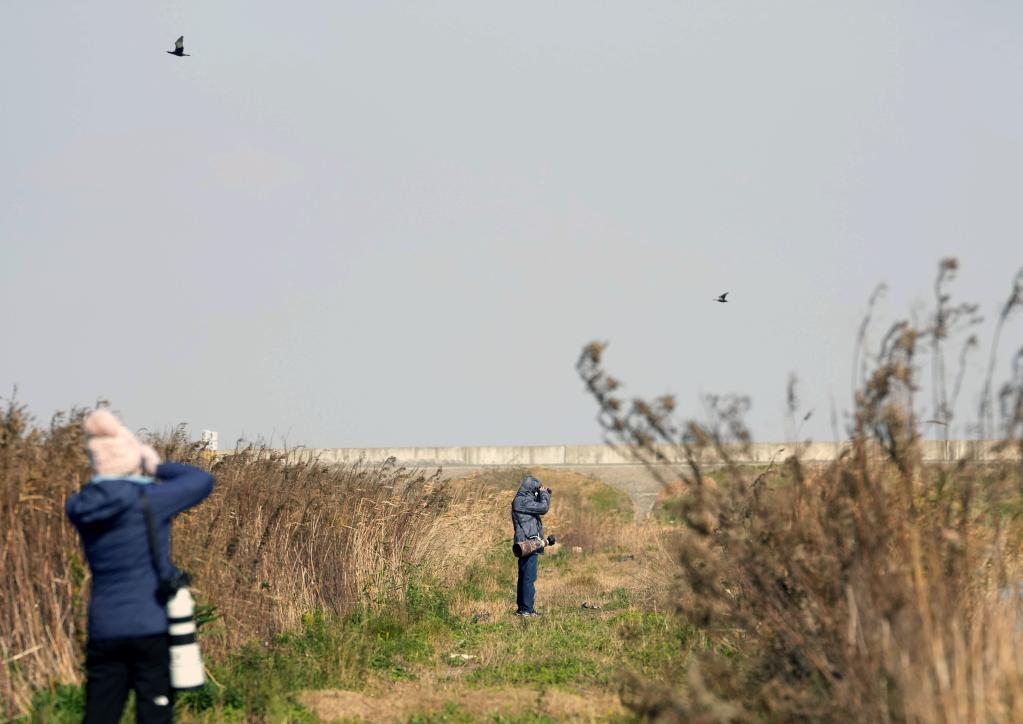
(179, 48)
(722, 298)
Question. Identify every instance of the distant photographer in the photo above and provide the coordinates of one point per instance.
(530, 503)
(123, 516)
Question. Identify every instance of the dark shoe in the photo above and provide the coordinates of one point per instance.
(523, 614)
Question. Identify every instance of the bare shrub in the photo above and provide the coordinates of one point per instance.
(874, 588)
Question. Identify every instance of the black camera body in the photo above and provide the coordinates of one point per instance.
(169, 586)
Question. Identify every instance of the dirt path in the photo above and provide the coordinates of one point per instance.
(449, 701)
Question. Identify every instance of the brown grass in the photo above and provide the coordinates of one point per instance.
(585, 512)
(41, 597)
(278, 537)
(405, 701)
(872, 589)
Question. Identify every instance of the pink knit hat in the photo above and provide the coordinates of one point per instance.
(114, 449)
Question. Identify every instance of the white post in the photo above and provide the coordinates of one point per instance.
(210, 438)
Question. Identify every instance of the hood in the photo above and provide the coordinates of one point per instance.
(529, 485)
(101, 501)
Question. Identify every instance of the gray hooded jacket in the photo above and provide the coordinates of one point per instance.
(527, 506)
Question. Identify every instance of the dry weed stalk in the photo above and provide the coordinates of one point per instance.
(875, 588)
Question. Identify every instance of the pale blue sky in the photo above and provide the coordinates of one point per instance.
(385, 223)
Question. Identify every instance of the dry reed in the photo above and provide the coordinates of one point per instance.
(280, 536)
(876, 588)
(41, 568)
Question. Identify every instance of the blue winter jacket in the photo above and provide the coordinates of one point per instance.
(108, 515)
(528, 505)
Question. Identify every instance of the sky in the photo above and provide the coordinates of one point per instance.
(346, 223)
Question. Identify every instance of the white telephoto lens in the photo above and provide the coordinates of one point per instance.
(185, 659)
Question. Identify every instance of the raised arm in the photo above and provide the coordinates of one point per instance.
(525, 504)
(181, 486)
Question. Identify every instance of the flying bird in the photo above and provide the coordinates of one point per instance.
(722, 298)
(179, 48)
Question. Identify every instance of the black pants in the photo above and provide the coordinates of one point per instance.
(115, 666)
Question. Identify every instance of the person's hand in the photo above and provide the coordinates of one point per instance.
(150, 460)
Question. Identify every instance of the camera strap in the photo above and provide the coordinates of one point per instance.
(147, 512)
(167, 586)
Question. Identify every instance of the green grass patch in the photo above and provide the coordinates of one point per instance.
(491, 578)
(543, 670)
(327, 651)
(606, 500)
(452, 713)
(578, 648)
(61, 704)
(619, 599)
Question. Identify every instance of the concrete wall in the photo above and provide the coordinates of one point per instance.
(615, 466)
(574, 455)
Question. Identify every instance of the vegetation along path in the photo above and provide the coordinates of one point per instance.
(433, 636)
(462, 655)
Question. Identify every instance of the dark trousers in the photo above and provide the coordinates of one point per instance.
(525, 592)
(115, 666)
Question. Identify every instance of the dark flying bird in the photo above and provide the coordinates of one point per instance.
(179, 48)
(722, 298)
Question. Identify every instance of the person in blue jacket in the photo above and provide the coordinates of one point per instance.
(128, 645)
(530, 503)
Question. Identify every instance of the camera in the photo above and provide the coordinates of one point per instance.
(532, 545)
(170, 585)
(186, 669)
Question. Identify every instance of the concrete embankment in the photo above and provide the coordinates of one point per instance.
(617, 467)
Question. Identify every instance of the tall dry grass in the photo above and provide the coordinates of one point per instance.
(876, 588)
(584, 512)
(41, 568)
(279, 536)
